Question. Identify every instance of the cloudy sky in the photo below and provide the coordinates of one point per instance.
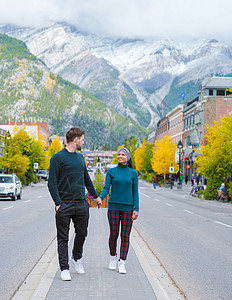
(175, 19)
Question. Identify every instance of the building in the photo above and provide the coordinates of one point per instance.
(162, 128)
(189, 123)
(33, 129)
(105, 157)
(175, 128)
(3, 133)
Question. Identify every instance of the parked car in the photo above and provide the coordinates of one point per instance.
(10, 186)
(42, 174)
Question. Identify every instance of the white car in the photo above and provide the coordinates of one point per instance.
(10, 186)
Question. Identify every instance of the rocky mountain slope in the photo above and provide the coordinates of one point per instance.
(29, 91)
(132, 76)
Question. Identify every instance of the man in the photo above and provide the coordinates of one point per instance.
(223, 188)
(68, 177)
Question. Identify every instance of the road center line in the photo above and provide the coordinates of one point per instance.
(145, 195)
(27, 201)
(157, 200)
(187, 211)
(223, 224)
(39, 197)
(7, 207)
(169, 204)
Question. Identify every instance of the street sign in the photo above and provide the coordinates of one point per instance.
(36, 165)
(187, 166)
(171, 169)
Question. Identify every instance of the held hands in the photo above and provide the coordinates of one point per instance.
(98, 202)
(135, 215)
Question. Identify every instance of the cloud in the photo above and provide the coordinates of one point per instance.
(181, 19)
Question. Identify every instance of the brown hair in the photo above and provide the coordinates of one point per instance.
(74, 132)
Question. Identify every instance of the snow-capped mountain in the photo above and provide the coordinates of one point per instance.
(132, 76)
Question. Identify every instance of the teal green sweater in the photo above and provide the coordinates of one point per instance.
(68, 177)
(124, 188)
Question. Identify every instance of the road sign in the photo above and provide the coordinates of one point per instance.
(36, 165)
(187, 166)
(171, 169)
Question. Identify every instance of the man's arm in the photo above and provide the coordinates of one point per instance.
(53, 179)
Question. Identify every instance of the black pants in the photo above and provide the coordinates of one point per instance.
(78, 212)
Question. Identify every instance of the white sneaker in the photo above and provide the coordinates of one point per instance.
(113, 262)
(121, 266)
(65, 275)
(78, 266)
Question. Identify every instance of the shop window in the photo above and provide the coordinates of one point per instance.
(220, 92)
(210, 92)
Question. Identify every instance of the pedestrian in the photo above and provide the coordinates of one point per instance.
(68, 177)
(192, 179)
(123, 206)
(181, 177)
(197, 179)
(154, 181)
(186, 179)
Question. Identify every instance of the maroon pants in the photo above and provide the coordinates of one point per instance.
(115, 218)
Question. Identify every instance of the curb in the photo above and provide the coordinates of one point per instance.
(162, 285)
(39, 280)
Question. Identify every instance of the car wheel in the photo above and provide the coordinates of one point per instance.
(14, 196)
(20, 195)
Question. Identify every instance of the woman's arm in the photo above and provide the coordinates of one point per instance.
(136, 192)
(107, 185)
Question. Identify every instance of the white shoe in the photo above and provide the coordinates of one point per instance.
(65, 275)
(121, 266)
(113, 262)
(78, 266)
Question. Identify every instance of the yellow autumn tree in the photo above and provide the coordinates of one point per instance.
(54, 147)
(164, 156)
(138, 159)
(139, 156)
(215, 156)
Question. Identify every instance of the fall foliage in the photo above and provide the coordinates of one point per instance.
(164, 156)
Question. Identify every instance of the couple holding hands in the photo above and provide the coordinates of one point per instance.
(68, 177)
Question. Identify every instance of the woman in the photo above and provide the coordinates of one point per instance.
(123, 206)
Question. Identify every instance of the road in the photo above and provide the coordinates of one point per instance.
(191, 237)
(27, 227)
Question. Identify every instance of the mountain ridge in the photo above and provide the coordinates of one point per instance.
(30, 91)
(131, 75)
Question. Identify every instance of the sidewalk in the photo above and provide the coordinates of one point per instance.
(99, 282)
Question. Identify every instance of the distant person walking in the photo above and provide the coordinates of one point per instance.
(186, 179)
(68, 177)
(181, 177)
(197, 179)
(123, 206)
(154, 181)
(192, 179)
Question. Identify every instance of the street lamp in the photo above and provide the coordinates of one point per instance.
(180, 147)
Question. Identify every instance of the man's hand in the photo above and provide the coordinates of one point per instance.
(57, 207)
(135, 215)
(98, 202)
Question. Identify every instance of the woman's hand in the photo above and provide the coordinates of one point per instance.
(135, 215)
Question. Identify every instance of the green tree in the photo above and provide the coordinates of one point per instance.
(147, 156)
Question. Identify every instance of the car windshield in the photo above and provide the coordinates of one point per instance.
(5, 179)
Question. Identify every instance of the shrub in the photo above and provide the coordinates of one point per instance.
(211, 188)
(98, 181)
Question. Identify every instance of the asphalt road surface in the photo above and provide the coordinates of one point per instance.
(191, 237)
(27, 227)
